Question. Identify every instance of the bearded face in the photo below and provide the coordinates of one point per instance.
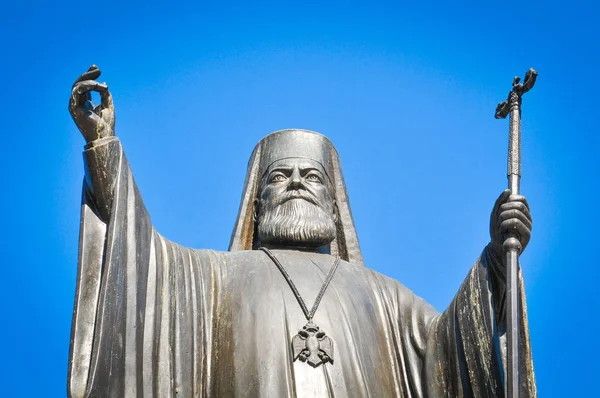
(296, 206)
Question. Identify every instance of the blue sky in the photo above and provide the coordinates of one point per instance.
(407, 92)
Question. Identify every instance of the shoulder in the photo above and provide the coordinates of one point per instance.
(396, 292)
(382, 281)
(231, 259)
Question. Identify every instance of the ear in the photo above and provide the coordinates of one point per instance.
(336, 212)
(255, 210)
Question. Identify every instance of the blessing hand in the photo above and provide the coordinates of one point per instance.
(94, 122)
(510, 214)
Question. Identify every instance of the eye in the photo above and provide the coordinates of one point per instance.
(313, 178)
(278, 178)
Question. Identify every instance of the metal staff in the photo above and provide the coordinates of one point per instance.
(512, 245)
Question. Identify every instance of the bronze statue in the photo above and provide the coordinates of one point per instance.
(290, 309)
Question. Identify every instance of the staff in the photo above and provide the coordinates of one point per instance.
(512, 246)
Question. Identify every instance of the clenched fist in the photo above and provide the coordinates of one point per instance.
(510, 215)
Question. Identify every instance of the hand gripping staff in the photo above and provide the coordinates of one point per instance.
(512, 245)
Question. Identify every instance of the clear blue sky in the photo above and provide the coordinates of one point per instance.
(406, 92)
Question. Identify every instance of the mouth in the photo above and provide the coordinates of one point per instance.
(294, 195)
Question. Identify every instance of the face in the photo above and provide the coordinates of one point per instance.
(296, 206)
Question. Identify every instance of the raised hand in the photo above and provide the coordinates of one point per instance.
(510, 214)
(94, 122)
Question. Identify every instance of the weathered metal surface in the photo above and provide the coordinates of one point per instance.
(155, 319)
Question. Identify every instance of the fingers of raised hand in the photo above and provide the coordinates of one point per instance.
(106, 99)
(86, 86)
(85, 83)
(93, 122)
(80, 94)
(91, 74)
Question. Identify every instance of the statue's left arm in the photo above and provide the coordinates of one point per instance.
(465, 354)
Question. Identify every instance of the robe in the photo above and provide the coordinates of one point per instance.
(156, 319)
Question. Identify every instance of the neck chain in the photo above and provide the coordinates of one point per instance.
(310, 345)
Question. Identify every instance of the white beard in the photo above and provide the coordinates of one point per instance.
(297, 222)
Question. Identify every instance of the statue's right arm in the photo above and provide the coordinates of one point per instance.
(97, 125)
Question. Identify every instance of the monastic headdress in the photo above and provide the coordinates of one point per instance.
(296, 143)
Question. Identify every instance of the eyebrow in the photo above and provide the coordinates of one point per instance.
(302, 169)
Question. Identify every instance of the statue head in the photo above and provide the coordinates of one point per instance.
(295, 195)
(295, 205)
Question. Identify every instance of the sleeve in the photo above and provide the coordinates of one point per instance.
(144, 305)
(104, 162)
(464, 355)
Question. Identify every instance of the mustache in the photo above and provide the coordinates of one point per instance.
(297, 194)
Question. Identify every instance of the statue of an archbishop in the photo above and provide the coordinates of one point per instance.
(289, 310)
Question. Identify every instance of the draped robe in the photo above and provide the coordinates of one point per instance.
(155, 319)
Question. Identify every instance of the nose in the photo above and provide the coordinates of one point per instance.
(295, 179)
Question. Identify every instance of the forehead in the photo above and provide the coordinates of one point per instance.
(291, 163)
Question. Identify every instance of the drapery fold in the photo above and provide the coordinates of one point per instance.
(464, 355)
(155, 319)
(144, 309)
